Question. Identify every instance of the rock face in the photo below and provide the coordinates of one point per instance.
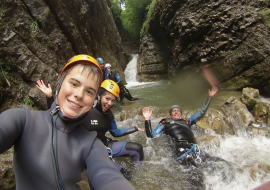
(39, 36)
(248, 113)
(231, 37)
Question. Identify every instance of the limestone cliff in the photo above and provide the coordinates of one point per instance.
(229, 36)
(39, 36)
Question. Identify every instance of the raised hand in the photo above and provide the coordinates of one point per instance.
(213, 91)
(147, 113)
(44, 89)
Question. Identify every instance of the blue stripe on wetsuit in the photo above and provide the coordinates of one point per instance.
(115, 131)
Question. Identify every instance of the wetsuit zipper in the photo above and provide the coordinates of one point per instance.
(57, 175)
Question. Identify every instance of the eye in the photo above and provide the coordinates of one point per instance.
(74, 84)
(90, 92)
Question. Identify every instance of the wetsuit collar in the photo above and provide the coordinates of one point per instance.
(66, 124)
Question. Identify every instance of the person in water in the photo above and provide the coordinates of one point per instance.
(178, 129)
(52, 148)
(124, 92)
(102, 120)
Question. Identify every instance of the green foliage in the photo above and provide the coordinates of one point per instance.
(4, 68)
(150, 9)
(265, 13)
(27, 101)
(116, 9)
(134, 15)
(34, 28)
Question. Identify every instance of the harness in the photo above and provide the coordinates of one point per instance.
(188, 154)
(109, 149)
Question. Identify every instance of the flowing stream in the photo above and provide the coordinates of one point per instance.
(237, 162)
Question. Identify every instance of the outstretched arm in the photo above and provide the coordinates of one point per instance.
(195, 117)
(122, 132)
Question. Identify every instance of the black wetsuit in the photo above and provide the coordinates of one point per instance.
(179, 130)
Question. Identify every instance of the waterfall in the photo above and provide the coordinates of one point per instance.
(131, 70)
(131, 73)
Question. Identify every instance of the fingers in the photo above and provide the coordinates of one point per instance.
(147, 109)
(42, 83)
(38, 83)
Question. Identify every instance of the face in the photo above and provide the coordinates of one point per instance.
(176, 113)
(109, 69)
(107, 101)
(78, 91)
(101, 65)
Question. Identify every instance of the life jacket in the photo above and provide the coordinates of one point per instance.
(178, 129)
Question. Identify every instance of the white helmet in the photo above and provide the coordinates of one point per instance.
(107, 65)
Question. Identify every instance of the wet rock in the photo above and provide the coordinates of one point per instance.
(216, 34)
(39, 37)
(261, 112)
(259, 130)
(237, 113)
(216, 121)
(250, 97)
(7, 177)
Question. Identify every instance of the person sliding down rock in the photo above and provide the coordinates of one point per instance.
(124, 92)
(178, 129)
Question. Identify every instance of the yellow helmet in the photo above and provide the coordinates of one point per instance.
(111, 87)
(82, 57)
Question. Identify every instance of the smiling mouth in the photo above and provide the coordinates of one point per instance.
(105, 108)
(74, 104)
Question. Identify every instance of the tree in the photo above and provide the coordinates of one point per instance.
(134, 15)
